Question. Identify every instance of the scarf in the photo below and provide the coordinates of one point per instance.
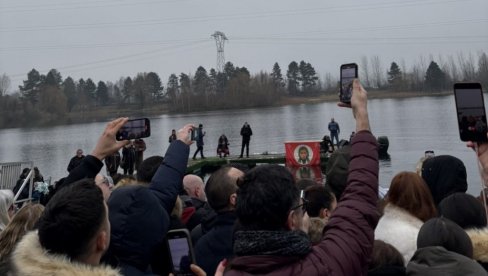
(277, 243)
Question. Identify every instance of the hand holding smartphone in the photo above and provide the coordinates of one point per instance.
(349, 72)
(134, 129)
(470, 110)
(181, 251)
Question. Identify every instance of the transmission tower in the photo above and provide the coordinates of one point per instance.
(220, 39)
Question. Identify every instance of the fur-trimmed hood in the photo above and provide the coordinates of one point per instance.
(479, 238)
(399, 228)
(29, 258)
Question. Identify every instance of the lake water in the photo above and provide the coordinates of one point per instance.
(412, 125)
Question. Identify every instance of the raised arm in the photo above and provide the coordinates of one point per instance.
(349, 234)
(167, 182)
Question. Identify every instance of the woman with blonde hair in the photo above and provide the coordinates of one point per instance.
(7, 208)
(409, 204)
(24, 221)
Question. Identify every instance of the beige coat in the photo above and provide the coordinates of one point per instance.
(29, 258)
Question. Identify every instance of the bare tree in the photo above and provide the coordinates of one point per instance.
(329, 82)
(365, 71)
(377, 75)
(453, 70)
(4, 84)
(466, 64)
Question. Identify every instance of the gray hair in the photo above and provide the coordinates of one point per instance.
(6, 201)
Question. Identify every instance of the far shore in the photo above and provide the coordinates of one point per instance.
(101, 114)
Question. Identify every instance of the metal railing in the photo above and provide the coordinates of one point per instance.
(9, 174)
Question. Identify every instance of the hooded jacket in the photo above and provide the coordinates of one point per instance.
(436, 260)
(349, 234)
(399, 228)
(479, 238)
(444, 175)
(29, 258)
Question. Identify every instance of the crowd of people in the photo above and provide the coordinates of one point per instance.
(250, 221)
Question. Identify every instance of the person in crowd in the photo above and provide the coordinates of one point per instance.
(7, 208)
(148, 169)
(326, 145)
(246, 133)
(105, 183)
(216, 245)
(271, 215)
(337, 170)
(24, 220)
(334, 131)
(444, 248)
(195, 189)
(444, 175)
(386, 260)
(128, 159)
(172, 137)
(76, 160)
(135, 219)
(199, 139)
(112, 163)
(223, 146)
(469, 213)
(139, 147)
(73, 234)
(321, 202)
(25, 191)
(408, 205)
(37, 175)
(305, 183)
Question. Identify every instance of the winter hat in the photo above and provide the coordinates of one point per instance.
(445, 175)
(463, 209)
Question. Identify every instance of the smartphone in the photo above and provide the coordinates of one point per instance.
(181, 251)
(194, 134)
(348, 73)
(429, 153)
(470, 109)
(134, 129)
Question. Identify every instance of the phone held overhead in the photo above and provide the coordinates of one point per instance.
(134, 129)
(470, 111)
(349, 72)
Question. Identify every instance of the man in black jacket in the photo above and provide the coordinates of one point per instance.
(246, 133)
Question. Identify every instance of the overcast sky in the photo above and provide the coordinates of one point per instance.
(105, 40)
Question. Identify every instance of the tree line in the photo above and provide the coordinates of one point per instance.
(47, 98)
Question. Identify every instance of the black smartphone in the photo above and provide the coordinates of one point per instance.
(471, 115)
(429, 153)
(181, 251)
(134, 129)
(348, 73)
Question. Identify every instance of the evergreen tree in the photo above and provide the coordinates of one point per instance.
(172, 88)
(102, 93)
(69, 90)
(127, 90)
(91, 90)
(200, 81)
(395, 76)
(277, 77)
(53, 78)
(30, 89)
(212, 83)
(435, 79)
(307, 76)
(154, 86)
(292, 75)
(140, 89)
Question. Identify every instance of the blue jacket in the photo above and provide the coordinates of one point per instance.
(334, 127)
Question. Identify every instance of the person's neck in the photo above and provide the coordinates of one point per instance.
(92, 259)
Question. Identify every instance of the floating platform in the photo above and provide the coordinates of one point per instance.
(212, 163)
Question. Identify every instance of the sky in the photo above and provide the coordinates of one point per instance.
(106, 40)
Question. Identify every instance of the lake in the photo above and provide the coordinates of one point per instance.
(412, 125)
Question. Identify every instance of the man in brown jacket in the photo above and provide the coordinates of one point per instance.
(269, 241)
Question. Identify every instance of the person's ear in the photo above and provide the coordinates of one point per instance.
(325, 213)
(233, 199)
(291, 222)
(103, 240)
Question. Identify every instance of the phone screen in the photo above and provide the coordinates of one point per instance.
(470, 112)
(134, 129)
(181, 255)
(348, 73)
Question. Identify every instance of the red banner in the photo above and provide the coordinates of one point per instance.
(302, 153)
(307, 172)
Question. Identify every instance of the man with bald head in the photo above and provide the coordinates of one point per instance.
(195, 189)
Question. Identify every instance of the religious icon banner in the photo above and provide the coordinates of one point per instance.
(302, 153)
